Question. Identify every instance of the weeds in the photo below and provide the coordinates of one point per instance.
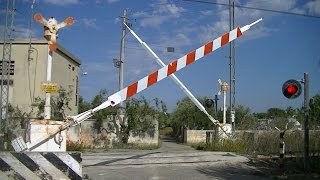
(71, 146)
(228, 145)
(167, 131)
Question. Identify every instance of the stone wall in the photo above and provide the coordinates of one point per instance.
(194, 136)
(107, 136)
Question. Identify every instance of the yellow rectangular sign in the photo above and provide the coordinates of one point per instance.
(49, 87)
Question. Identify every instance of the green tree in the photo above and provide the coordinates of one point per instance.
(276, 113)
(101, 115)
(59, 104)
(187, 115)
(315, 110)
(141, 114)
(244, 118)
(162, 114)
(260, 115)
(290, 111)
(83, 105)
(17, 120)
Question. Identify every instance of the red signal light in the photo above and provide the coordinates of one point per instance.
(291, 89)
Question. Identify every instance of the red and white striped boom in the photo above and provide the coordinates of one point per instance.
(175, 66)
(165, 71)
(145, 82)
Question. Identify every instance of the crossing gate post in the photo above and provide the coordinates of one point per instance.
(282, 151)
(282, 148)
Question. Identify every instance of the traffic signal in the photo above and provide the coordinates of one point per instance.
(209, 103)
(291, 89)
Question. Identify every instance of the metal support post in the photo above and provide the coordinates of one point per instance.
(6, 70)
(232, 68)
(282, 151)
(306, 122)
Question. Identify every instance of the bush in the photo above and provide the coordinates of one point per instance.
(167, 131)
(265, 143)
(229, 145)
(71, 146)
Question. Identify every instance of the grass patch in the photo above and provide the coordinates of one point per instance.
(293, 167)
(229, 145)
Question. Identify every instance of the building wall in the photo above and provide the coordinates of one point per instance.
(68, 78)
(30, 72)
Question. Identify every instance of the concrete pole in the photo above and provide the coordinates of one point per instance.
(47, 106)
(121, 68)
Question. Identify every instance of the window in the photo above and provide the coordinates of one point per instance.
(11, 68)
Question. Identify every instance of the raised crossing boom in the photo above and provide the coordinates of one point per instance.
(142, 84)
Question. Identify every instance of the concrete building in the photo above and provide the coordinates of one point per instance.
(28, 72)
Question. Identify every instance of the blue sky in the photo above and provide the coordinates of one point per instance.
(279, 48)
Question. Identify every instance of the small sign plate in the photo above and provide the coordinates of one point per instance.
(49, 87)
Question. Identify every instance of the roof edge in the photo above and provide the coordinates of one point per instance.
(44, 41)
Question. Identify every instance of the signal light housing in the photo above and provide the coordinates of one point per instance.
(209, 103)
(291, 89)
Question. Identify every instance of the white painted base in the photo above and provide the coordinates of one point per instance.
(41, 128)
(225, 132)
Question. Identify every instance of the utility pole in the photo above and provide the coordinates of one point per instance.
(232, 68)
(121, 67)
(6, 69)
(306, 122)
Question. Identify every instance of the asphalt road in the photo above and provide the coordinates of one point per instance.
(171, 161)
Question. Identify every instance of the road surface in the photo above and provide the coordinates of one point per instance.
(171, 161)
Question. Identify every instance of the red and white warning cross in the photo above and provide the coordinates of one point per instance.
(175, 66)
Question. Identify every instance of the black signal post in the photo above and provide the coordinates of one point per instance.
(291, 89)
(306, 122)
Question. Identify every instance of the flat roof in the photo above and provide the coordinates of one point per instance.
(45, 42)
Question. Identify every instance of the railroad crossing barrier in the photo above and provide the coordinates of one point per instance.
(40, 165)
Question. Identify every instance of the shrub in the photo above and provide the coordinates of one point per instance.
(71, 146)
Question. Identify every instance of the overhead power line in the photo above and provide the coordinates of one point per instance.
(254, 8)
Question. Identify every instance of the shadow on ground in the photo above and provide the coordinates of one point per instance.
(233, 171)
(259, 169)
(168, 139)
(121, 159)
